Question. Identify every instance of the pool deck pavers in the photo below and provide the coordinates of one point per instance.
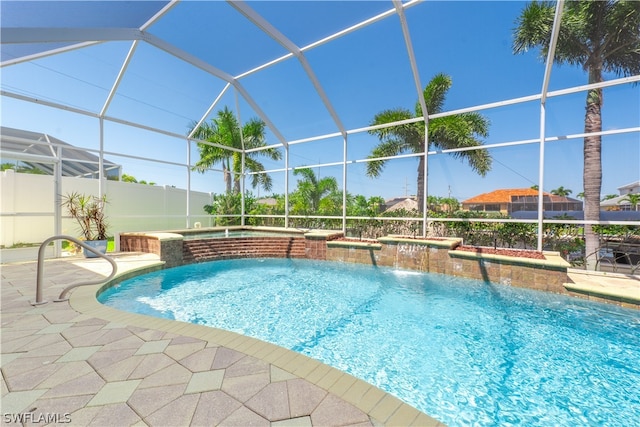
(80, 363)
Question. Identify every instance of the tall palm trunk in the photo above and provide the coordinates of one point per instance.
(592, 175)
(227, 178)
(420, 186)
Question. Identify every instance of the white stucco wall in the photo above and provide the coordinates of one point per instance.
(27, 204)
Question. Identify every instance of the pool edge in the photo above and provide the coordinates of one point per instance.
(377, 404)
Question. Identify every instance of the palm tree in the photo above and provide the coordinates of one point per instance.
(312, 193)
(561, 191)
(600, 36)
(225, 130)
(633, 199)
(461, 130)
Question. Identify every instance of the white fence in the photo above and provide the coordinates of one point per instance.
(27, 207)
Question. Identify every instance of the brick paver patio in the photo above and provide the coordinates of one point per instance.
(79, 363)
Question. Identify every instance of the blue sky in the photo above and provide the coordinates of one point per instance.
(362, 73)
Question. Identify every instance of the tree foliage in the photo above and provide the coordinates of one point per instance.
(230, 139)
(459, 131)
(600, 37)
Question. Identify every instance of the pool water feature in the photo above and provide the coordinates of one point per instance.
(463, 351)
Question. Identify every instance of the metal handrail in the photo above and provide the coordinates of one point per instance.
(613, 261)
(63, 296)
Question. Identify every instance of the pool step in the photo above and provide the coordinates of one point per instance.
(238, 247)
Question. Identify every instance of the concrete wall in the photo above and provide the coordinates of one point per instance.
(27, 204)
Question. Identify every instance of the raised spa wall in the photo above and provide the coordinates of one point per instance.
(427, 255)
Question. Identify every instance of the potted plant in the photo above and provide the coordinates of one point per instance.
(88, 211)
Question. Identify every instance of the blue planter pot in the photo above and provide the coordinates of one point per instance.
(100, 245)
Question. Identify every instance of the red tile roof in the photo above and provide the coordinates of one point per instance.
(504, 195)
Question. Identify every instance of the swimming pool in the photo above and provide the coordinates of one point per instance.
(463, 351)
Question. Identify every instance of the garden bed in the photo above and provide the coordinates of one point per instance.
(518, 253)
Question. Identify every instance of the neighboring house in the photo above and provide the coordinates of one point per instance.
(507, 201)
(268, 201)
(398, 203)
(622, 203)
(39, 151)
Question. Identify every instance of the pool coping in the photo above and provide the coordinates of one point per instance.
(379, 405)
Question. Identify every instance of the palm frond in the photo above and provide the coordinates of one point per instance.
(533, 27)
(387, 148)
(462, 131)
(435, 94)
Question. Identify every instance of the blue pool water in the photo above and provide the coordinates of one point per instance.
(464, 351)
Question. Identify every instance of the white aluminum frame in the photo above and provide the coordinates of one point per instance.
(84, 37)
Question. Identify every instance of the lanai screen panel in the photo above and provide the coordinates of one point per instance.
(310, 70)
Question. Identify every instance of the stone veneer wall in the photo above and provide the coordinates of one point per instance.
(200, 250)
(435, 256)
(549, 275)
(175, 251)
(439, 256)
(168, 246)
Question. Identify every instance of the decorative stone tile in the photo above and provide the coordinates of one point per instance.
(213, 407)
(205, 381)
(244, 417)
(54, 351)
(181, 339)
(24, 323)
(247, 366)
(244, 388)
(10, 334)
(272, 402)
(86, 384)
(176, 413)
(79, 353)
(180, 351)
(61, 405)
(171, 375)
(16, 402)
(304, 397)
(150, 347)
(108, 336)
(293, 422)
(42, 342)
(87, 320)
(30, 379)
(335, 411)
(226, 357)
(8, 358)
(150, 364)
(66, 372)
(121, 370)
(114, 392)
(119, 413)
(84, 330)
(148, 400)
(20, 365)
(102, 359)
(54, 329)
(150, 335)
(201, 360)
(60, 316)
(278, 374)
(129, 342)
